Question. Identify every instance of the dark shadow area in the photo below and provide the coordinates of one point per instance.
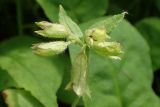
(137, 9)
(61, 104)
(156, 82)
(2, 104)
(30, 13)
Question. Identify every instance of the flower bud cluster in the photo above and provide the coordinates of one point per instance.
(97, 39)
(51, 30)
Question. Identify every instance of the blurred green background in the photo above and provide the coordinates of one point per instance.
(27, 12)
(17, 18)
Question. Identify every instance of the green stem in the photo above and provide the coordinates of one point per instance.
(76, 101)
(19, 17)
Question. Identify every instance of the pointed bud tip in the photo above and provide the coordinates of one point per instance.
(61, 7)
(36, 23)
(34, 45)
(39, 32)
(125, 13)
(68, 86)
(35, 31)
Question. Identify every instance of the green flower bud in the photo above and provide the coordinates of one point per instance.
(52, 30)
(96, 34)
(51, 48)
(109, 49)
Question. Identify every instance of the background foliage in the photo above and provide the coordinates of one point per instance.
(27, 80)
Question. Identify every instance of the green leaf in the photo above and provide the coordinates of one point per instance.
(85, 9)
(71, 25)
(50, 9)
(80, 10)
(110, 23)
(20, 98)
(40, 76)
(6, 81)
(150, 30)
(126, 82)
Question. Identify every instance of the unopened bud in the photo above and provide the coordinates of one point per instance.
(43, 24)
(51, 48)
(52, 30)
(109, 49)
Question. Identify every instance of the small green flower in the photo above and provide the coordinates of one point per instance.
(96, 38)
(50, 48)
(109, 49)
(97, 34)
(52, 30)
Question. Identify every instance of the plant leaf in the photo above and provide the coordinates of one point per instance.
(6, 81)
(50, 9)
(125, 83)
(40, 76)
(80, 10)
(20, 98)
(110, 23)
(71, 25)
(150, 30)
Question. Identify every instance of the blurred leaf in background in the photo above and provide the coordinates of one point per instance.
(79, 10)
(150, 29)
